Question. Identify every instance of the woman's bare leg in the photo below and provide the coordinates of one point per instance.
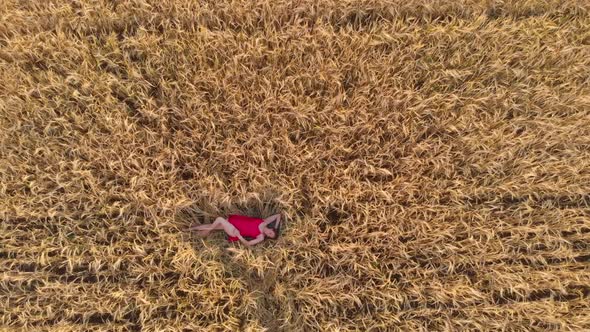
(218, 224)
(207, 228)
(199, 227)
(229, 229)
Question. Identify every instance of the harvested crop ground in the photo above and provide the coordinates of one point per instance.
(431, 159)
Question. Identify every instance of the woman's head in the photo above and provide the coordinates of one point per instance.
(273, 230)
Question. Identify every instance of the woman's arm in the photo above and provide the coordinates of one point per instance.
(258, 239)
(270, 219)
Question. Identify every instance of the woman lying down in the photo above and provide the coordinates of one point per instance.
(247, 230)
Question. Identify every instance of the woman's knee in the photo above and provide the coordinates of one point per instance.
(219, 221)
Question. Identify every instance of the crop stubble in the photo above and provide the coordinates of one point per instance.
(431, 160)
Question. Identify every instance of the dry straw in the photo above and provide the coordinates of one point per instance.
(431, 159)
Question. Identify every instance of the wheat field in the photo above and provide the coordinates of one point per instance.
(431, 160)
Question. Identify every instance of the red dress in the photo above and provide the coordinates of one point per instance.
(247, 226)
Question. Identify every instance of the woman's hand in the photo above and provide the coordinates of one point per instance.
(233, 232)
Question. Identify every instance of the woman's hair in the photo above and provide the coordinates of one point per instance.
(275, 227)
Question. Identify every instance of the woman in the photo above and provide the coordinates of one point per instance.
(238, 228)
